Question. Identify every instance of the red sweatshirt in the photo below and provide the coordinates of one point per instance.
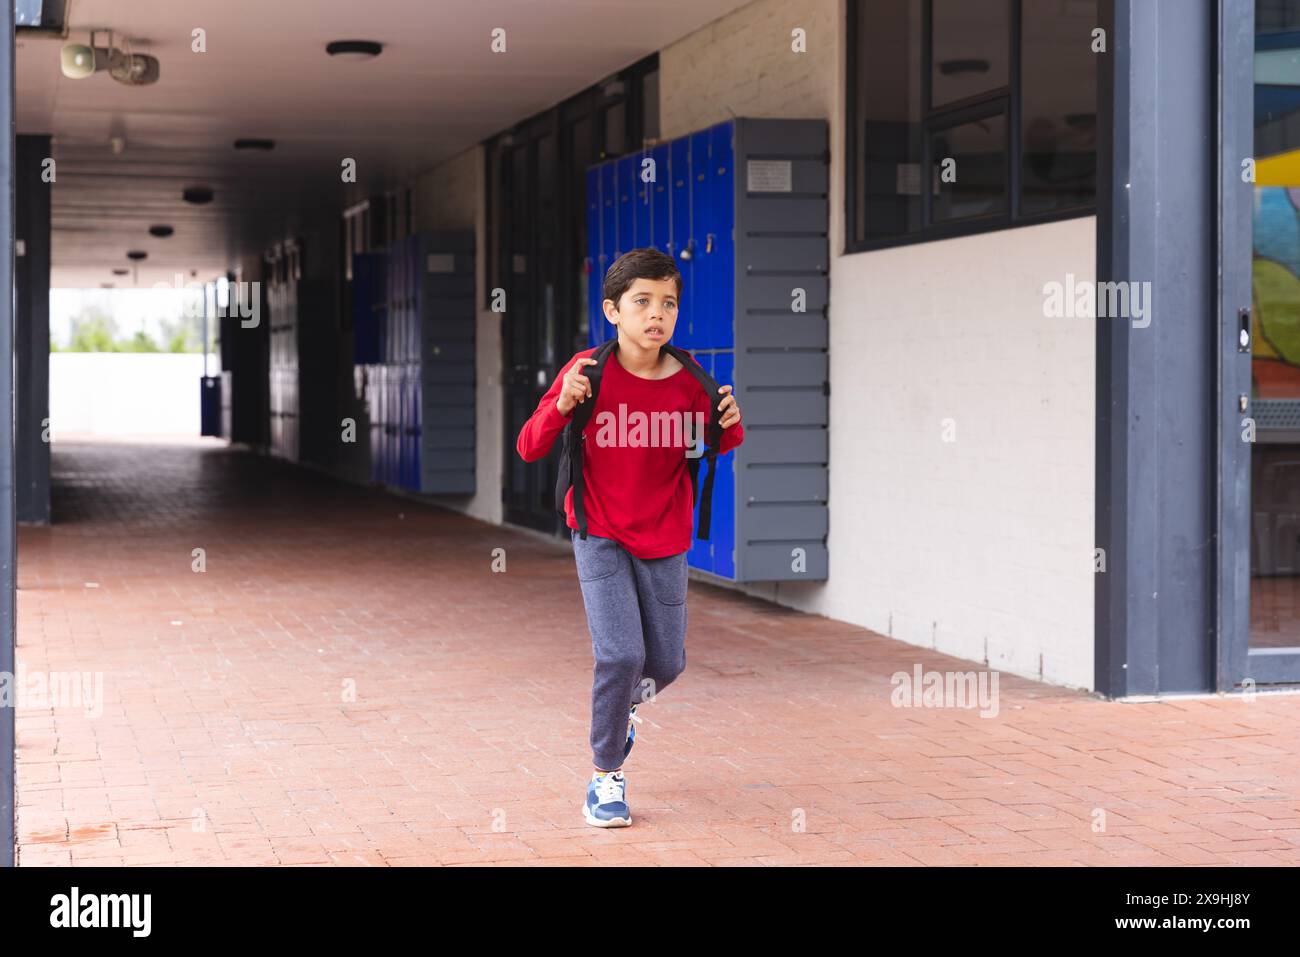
(636, 486)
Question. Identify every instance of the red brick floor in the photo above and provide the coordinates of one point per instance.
(349, 682)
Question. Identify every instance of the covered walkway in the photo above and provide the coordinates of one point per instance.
(350, 682)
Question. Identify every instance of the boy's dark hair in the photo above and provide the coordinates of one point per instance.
(644, 263)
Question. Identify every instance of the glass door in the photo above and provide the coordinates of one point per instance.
(1274, 630)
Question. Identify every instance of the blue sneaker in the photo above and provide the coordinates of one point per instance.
(631, 731)
(605, 805)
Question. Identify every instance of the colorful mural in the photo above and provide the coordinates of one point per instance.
(1276, 293)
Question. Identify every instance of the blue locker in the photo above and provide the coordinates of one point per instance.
(600, 330)
(702, 289)
(722, 523)
(605, 329)
(386, 337)
(395, 445)
(404, 430)
(367, 306)
(375, 429)
(608, 214)
(643, 198)
(660, 191)
(393, 415)
(700, 554)
(410, 390)
(381, 315)
(395, 381)
(718, 324)
(386, 406)
(595, 271)
(598, 327)
(377, 413)
(626, 183)
(679, 235)
(413, 428)
(419, 432)
(399, 458)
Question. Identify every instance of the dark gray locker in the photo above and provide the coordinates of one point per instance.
(447, 362)
(781, 378)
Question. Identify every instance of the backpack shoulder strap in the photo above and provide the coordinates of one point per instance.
(583, 410)
(712, 437)
(699, 372)
(574, 437)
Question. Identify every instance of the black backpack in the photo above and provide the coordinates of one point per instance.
(570, 471)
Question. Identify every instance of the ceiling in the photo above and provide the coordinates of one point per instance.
(436, 90)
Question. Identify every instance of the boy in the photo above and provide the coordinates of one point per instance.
(639, 506)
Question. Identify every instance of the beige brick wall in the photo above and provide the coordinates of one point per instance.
(743, 65)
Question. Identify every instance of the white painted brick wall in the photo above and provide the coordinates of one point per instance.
(980, 547)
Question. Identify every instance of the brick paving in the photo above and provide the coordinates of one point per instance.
(349, 682)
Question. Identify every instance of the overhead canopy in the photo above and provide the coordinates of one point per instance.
(436, 89)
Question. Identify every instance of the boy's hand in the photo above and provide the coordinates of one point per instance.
(730, 410)
(576, 388)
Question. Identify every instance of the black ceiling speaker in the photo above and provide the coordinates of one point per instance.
(254, 144)
(162, 231)
(197, 194)
(951, 67)
(354, 49)
(121, 272)
(137, 254)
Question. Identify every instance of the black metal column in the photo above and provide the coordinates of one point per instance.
(1164, 132)
(7, 523)
(32, 329)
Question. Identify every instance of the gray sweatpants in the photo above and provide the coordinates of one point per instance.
(636, 612)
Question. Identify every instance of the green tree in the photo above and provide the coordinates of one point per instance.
(181, 335)
(93, 331)
(140, 342)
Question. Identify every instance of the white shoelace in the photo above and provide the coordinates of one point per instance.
(608, 789)
(635, 717)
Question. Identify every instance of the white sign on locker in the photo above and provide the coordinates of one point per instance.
(769, 176)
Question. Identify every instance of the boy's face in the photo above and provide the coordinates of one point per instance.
(646, 313)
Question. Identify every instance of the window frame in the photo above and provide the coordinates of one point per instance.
(937, 119)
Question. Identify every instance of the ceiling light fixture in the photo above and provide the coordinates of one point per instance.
(354, 49)
(80, 60)
(121, 272)
(162, 230)
(198, 195)
(255, 144)
(137, 254)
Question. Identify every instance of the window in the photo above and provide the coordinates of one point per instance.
(41, 16)
(996, 100)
